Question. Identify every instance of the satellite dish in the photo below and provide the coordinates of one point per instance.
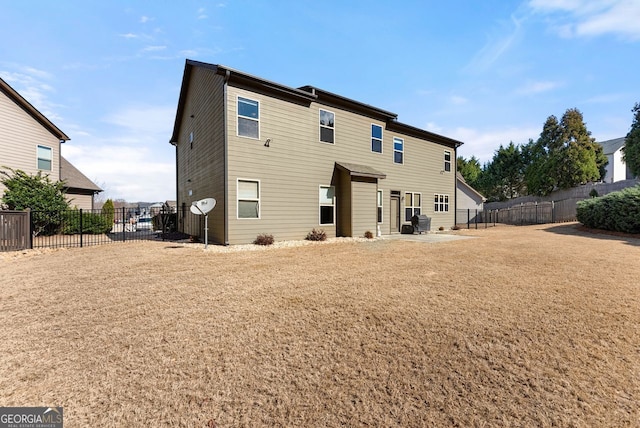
(203, 206)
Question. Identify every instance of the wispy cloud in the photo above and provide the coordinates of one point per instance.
(32, 84)
(145, 19)
(154, 48)
(202, 13)
(582, 18)
(129, 36)
(482, 143)
(458, 100)
(497, 45)
(536, 87)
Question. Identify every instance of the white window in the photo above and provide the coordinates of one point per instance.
(447, 161)
(398, 150)
(441, 203)
(412, 205)
(376, 138)
(327, 204)
(248, 198)
(248, 118)
(379, 206)
(45, 155)
(327, 126)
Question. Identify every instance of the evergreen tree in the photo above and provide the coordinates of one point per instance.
(631, 150)
(469, 169)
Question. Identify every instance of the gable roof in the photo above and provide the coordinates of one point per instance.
(611, 146)
(74, 179)
(303, 95)
(461, 181)
(13, 95)
(360, 170)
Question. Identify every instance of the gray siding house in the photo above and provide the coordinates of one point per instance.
(31, 142)
(283, 161)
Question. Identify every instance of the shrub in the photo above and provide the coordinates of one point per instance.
(593, 193)
(455, 227)
(91, 223)
(616, 211)
(108, 210)
(316, 235)
(441, 228)
(368, 234)
(263, 239)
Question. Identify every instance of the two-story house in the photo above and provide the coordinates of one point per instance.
(31, 143)
(283, 161)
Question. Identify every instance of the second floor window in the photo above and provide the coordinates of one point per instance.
(327, 126)
(44, 158)
(248, 118)
(376, 138)
(447, 161)
(398, 150)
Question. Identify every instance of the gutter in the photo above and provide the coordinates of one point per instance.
(227, 75)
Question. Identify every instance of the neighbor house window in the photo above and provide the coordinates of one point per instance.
(44, 158)
(441, 203)
(379, 206)
(248, 199)
(327, 126)
(412, 205)
(376, 138)
(248, 118)
(327, 204)
(447, 161)
(398, 150)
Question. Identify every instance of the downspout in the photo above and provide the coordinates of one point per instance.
(455, 185)
(226, 159)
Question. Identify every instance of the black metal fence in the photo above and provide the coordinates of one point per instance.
(80, 228)
(522, 214)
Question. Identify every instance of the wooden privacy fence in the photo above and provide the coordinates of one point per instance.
(15, 230)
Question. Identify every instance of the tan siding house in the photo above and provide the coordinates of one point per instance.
(283, 160)
(31, 143)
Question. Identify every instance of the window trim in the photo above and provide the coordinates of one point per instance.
(380, 206)
(447, 162)
(238, 199)
(401, 140)
(320, 205)
(38, 158)
(381, 139)
(441, 199)
(320, 126)
(412, 206)
(238, 116)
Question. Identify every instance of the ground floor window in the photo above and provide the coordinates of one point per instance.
(379, 206)
(412, 205)
(441, 203)
(248, 198)
(327, 205)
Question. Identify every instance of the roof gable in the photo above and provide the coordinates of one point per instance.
(611, 146)
(74, 179)
(13, 95)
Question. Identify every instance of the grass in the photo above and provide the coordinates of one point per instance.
(523, 326)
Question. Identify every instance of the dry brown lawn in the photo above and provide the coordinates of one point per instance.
(521, 326)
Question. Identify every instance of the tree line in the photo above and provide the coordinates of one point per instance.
(564, 156)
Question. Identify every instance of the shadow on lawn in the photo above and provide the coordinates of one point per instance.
(577, 229)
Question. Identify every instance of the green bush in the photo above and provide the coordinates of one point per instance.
(616, 211)
(93, 224)
(108, 210)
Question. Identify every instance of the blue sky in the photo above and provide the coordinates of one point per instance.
(484, 72)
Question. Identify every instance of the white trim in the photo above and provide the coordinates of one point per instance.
(238, 116)
(50, 149)
(400, 151)
(443, 199)
(374, 138)
(320, 126)
(444, 158)
(320, 205)
(412, 206)
(252, 180)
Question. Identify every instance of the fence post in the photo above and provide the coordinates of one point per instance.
(475, 219)
(124, 226)
(553, 212)
(30, 235)
(81, 231)
(468, 218)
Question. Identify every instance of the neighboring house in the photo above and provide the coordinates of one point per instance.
(283, 161)
(617, 170)
(31, 143)
(468, 198)
(80, 191)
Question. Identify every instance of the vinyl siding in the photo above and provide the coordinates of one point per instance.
(204, 163)
(363, 207)
(80, 201)
(21, 135)
(296, 163)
